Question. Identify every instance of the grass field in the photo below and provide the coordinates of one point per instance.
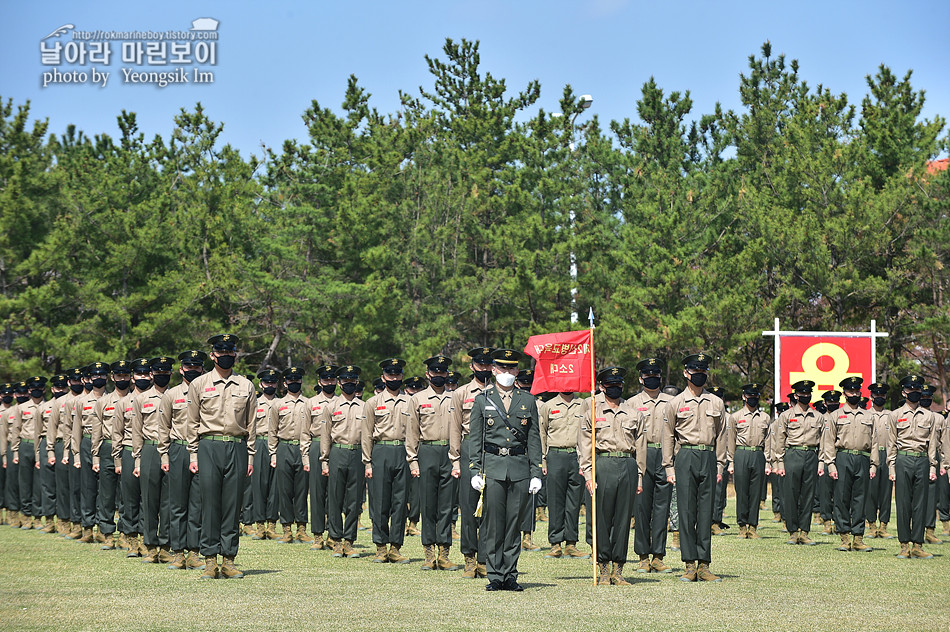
(50, 583)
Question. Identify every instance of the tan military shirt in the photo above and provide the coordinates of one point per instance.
(848, 429)
(266, 408)
(911, 430)
(290, 415)
(652, 413)
(172, 418)
(84, 411)
(107, 410)
(52, 425)
(122, 431)
(26, 420)
(385, 418)
(4, 431)
(695, 420)
(616, 430)
(313, 431)
(797, 428)
(559, 422)
(463, 398)
(45, 413)
(146, 409)
(221, 406)
(433, 417)
(748, 429)
(342, 423)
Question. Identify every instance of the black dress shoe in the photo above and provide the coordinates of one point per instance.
(494, 585)
(513, 585)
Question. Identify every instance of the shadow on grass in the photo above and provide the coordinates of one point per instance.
(260, 571)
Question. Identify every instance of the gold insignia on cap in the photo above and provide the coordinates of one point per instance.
(652, 361)
(226, 338)
(98, 365)
(613, 371)
(349, 367)
(507, 354)
(395, 362)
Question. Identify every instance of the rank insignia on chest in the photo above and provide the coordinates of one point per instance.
(491, 422)
(523, 407)
(524, 422)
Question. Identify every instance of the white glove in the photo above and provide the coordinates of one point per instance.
(534, 485)
(478, 483)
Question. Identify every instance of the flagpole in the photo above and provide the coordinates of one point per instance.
(593, 451)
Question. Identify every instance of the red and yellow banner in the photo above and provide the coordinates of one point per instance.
(563, 361)
(825, 360)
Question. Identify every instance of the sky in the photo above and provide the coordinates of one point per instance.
(271, 60)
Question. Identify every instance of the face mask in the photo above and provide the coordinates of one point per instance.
(294, 387)
(651, 382)
(393, 385)
(753, 402)
(59, 394)
(162, 380)
(22, 398)
(123, 385)
(328, 389)
(505, 379)
(832, 407)
(191, 376)
(87, 386)
(926, 403)
(613, 392)
(348, 388)
(437, 381)
(37, 393)
(914, 396)
(483, 376)
(698, 379)
(225, 361)
(98, 382)
(880, 401)
(8, 399)
(143, 384)
(853, 400)
(270, 390)
(76, 388)
(804, 400)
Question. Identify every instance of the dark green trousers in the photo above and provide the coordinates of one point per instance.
(291, 484)
(910, 491)
(505, 503)
(75, 486)
(387, 494)
(943, 497)
(565, 490)
(878, 505)
(12, 489)
(749, 467)
(26, 470)
(47, 483)
(89, 485)
(721, 487)
(437, 489)
(414, 499)
(696, 495)
(222, 475)
(184, 500)
(318, 492)
(798, 488)
(470, 531)
(851, 492)
(130, 520)
(931, 510)
(263, 486)
(108, 483)
(826, 496)
(653, 509)
(63, 489)
(614, 508)
(776, 481)
(155, 505)
(345, 492)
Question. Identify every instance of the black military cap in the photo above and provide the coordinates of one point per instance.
(59, 380)
(525, 376)
(437, 363)
(121, 367)
(506, 357)
(718, 391)
(831, 396)
(141, 365)
(293, 373)
(193, 358)
(250, 377)
(38, 381)
(612, 374)
(327, 371)
(781, 407)
(268, 375)
(481, 355)
(378, 384)
(6, 388)
(98, 368)
(392, 366)
(791, 395)
(224, 342)
(912, 381)
(852, 383)
(820, 407)
(348, 372)
(650, 366)
(21, 387)
(415, 382)
(162, 363)
(752, 389)
(864, 402)
(453, 377)
(74, 374)
(878, 388)
(928, 390)
(803, 386)
(360, 385)
(697, 362)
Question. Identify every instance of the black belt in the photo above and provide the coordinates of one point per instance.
(517, 450)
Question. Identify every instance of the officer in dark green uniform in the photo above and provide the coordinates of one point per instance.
(506, 453)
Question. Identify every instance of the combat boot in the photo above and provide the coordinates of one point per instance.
(143, 550)
(946, 526)
(14, 519)
(429, 563)
(318, 544)
(211, 568)
(178, 561)
(271, 530)
(455, 534)
(904, 553)
(194, 561)
(87, 536)
(705, 575)
(395, 556)
(75, 531)
(26, 522)
(793, 538)
(882, 532)
(133, 546)
(870, 528)
(658, 566)
(555, 551)
(381, 554)
(481, 570)
(690, 574)
(109, 544)
(348, 550)
(604, 568)
(675, 543)
(527, 544)
(100, 538)
(752, 533)
(541, 514)
(229, 570)
(919, 553)
(616, 577)
(469, 571)
(151, 556)
(413, 528)
(743, 532)
(716, 529)
(337, 548)
(443, 560)
(50, 526)
(931, 538)
(260, 533)
(571, 550)
(302, 535)
(859, 545)
(804, 539)
(829, 528)
(164, 555)
(644, 565)
(816, 518)
(123, 542)
(287, 536)
(776, 517)
(845, 543)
